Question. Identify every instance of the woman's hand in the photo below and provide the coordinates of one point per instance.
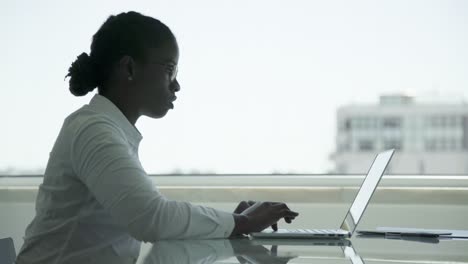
(253, 216)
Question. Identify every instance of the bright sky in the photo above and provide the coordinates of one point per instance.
(261, 80)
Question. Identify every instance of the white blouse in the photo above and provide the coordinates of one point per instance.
(95, 194)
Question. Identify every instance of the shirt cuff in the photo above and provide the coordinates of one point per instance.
(227, 222)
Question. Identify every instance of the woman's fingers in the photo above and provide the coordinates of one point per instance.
(275, 226)
(265, 214)
(283, 211)
(287, 214)
(243, 206)
(240, 207)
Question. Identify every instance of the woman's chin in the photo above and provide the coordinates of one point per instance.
(159, 114)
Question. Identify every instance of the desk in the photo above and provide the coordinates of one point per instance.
(359, 251)
(405, 201)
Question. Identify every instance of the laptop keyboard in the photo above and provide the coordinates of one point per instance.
(316, 231)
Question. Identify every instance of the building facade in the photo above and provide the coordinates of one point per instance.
(429, 138)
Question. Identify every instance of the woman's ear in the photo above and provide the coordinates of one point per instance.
(127, 67)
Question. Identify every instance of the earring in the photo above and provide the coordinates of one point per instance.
(130, 78)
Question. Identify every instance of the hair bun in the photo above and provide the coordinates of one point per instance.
(82, 75)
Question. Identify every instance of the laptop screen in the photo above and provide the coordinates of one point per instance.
(367, 189)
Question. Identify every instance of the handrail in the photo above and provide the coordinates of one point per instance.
(275, 180)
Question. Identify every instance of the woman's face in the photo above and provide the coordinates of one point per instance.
(156, 82)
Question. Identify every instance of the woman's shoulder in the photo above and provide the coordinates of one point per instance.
(87, 118)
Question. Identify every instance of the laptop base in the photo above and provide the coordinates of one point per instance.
(303, 233)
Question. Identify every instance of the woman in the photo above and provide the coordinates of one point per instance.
(95, 196)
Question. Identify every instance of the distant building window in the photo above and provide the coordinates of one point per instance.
(442, 144)
(444, 121)
(434, 121)
(453, 144)
(430, 145)
(453, 121)
(392, 144)
(391, 122)
(366, 145)
(356, 123)
(363, 123)
(347, 125)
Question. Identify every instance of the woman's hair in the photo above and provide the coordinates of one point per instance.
(129, 34)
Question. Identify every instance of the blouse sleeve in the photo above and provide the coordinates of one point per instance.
(103, 160)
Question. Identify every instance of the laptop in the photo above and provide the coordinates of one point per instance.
(354, 214)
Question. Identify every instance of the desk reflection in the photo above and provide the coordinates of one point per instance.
(241, 251)
(211, 251)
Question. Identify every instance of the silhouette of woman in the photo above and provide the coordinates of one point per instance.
(95, 195)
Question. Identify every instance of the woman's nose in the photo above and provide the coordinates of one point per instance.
(175, 86)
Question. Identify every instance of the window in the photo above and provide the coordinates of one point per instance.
(443, 144)
(430, 144)
(364, 123)
(392, 144)
(269, 104)
(444, 121)
(391, 122)
(366, 145)
(347, 125)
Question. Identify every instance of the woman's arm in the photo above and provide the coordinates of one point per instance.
(103, 160)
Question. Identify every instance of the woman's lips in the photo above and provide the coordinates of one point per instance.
(171, 102)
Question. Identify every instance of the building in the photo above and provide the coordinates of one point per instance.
(430, 137)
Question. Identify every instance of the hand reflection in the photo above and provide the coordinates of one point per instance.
(266, 256)
(211, 251)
